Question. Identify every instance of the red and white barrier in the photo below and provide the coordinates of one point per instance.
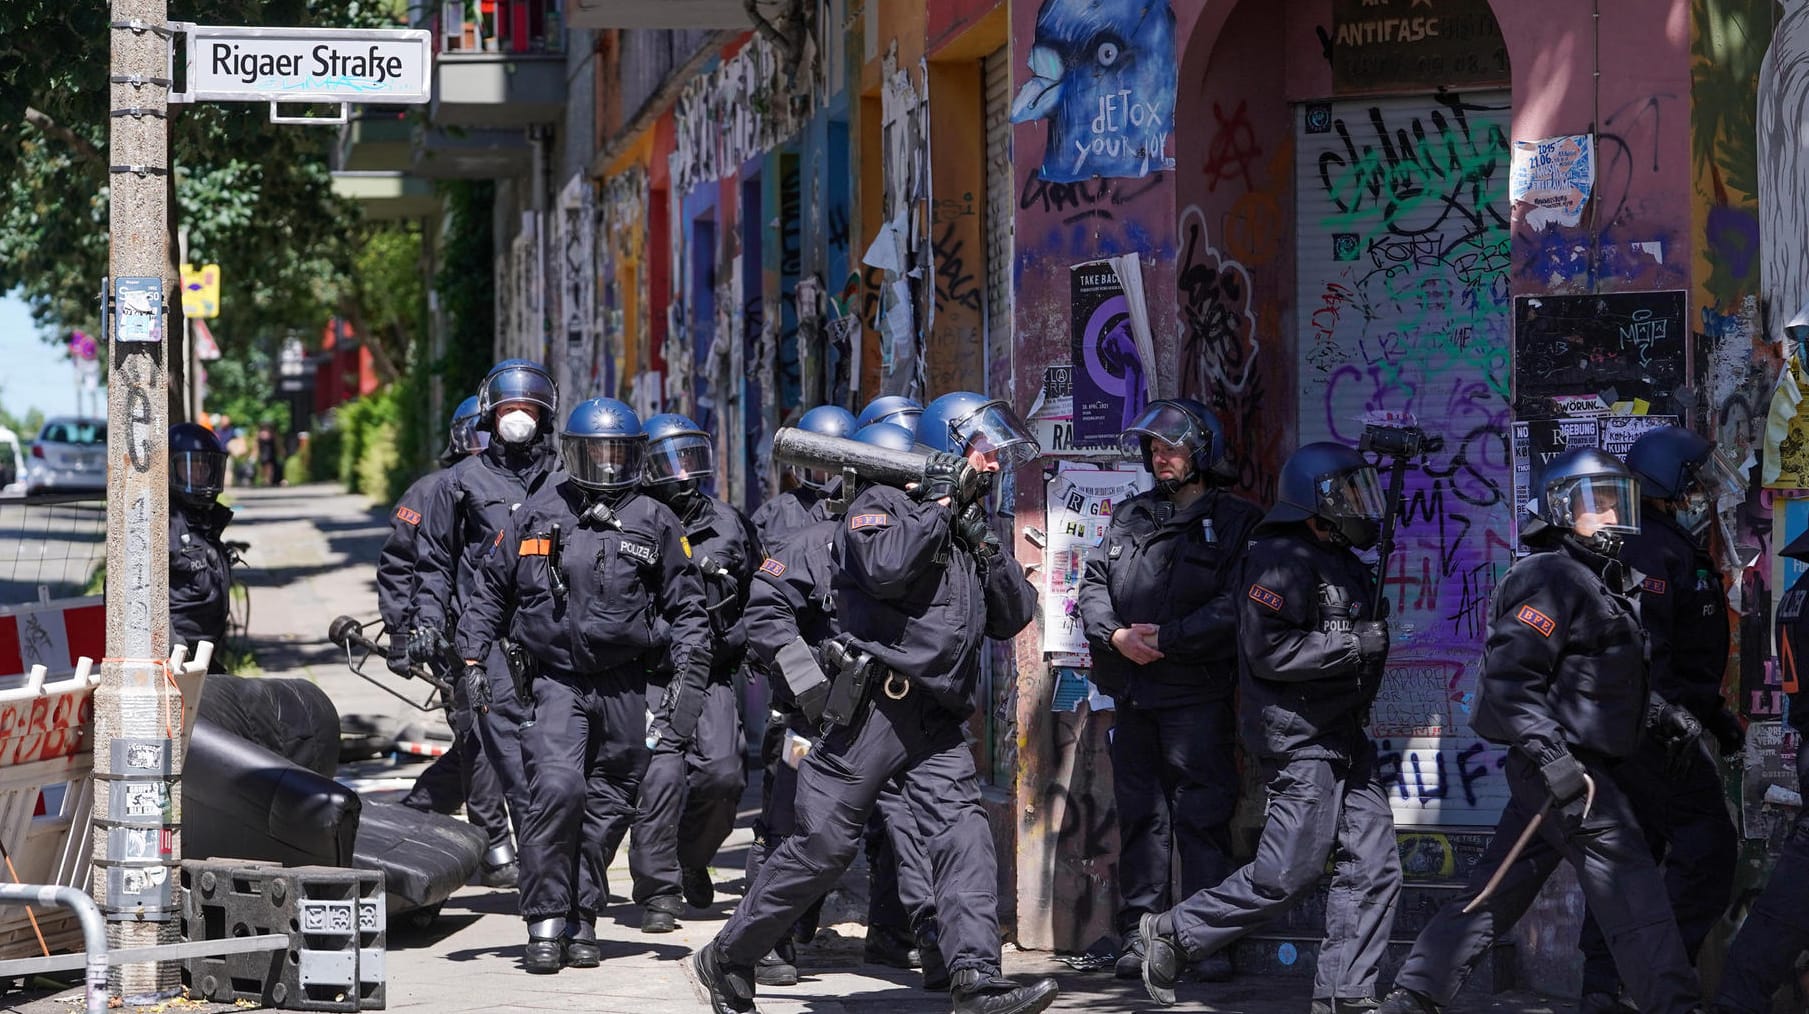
(47, 680)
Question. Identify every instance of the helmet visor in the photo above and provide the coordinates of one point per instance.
(1164, 422)
(201, 473)
(1356, 493)
(1720, 479)
(608, 463)
(994, 430)
(521, 383)
(466, 438)
(685, 456)
(905, 416)
(1587, 504)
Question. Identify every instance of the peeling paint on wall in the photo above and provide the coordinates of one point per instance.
(730, 115)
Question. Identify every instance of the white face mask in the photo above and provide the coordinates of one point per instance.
(516, 427)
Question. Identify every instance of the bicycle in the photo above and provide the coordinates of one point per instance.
(236, 654)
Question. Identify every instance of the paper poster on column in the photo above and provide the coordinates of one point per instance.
(1553, 177)
(1111, 348)
(1080, 502)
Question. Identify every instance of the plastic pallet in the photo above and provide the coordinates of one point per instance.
(335, 919)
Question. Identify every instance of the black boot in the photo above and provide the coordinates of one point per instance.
(1407, 1001)
(730, 990)
(887, 947)
(929, 946)
(779, 967)
(1604, 1003)
(975, 993)
(1130, 957)
(660, 915)
(501, 877)
(581, 950)
(700, 891)
(543, 955)
(1163, 957)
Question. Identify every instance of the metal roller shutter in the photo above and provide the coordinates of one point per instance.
(1404, 312)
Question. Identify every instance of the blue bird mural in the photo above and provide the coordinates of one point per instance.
(1104, 77)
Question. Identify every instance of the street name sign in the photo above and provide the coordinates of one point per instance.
(332, 65)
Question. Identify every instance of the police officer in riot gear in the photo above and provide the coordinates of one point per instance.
(1310, 663)
(923, 579)
(790, 615)
(1565, 688)
(463, 775)
(1158, 601)
(1679, 801)
(689, 793)
(200, 565)
(463, 517)
(1763, 955)
(592, 581)
(808, 501)
(896, 409)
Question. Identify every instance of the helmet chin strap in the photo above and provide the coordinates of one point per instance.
(1169, 487)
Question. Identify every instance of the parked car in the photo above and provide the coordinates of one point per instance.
(12, 464)
(70, 453)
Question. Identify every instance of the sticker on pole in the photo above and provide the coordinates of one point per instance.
(138, 309)
(377, 65)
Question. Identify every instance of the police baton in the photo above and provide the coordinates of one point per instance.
(1520, 843)
(1399, 443)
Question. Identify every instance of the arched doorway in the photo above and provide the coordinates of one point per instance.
(1343, 259)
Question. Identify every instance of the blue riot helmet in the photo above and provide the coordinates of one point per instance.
(197, 463)
(829, 421)
(891, 436)
(464, 438)
(964, 423)
(1337, 485)
(677, 450)
(891, 408)
(1672, 463)
(1179, 422)
(604, 446)
(517, 380)
(679, 459)
(1591, 494)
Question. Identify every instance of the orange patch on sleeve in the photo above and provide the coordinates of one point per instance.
(1268, 598)
(1536, 620)
(408, 515)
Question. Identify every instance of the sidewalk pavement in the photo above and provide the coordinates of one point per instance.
(313, 550)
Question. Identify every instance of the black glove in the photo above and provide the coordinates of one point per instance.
(474, 683)
(1567, 785)
(397, 661)
(973, 528)
(1372, 641)
(812, 701)
(1729, 735)
(942, 475)
(426, 645)
(1679, 733)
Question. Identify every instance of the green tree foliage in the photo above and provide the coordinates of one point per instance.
(254, 197)
(467, 286)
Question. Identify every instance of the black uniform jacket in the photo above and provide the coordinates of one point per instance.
(631, 593)
(790, 512)
(1683, 606)
(1565, 661)
(464, 515)
(200, 574)
(1793, 642)
(1304, 690)
(792, 597)
(723, 537)
(400, 563)
(1180, 574)
(914, 596)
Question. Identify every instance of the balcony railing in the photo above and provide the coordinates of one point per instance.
(500, 26)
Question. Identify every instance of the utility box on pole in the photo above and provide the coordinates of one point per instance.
(138, 710)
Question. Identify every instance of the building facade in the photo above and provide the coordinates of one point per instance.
(1519, 225)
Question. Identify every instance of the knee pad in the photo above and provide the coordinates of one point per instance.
(558, 787)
